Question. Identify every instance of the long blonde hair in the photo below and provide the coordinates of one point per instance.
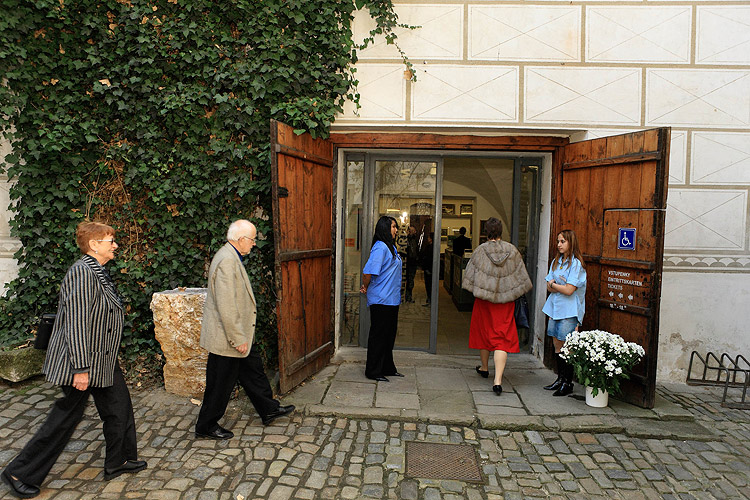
(574, 250)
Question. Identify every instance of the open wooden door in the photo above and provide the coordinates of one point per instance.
(613, 192)
(302, 177)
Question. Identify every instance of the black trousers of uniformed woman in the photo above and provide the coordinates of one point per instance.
(383, 327)
(116, 411)
(222, 373)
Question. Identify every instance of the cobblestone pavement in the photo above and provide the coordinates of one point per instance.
(311, 457)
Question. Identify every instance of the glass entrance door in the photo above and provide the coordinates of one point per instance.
(407, 191)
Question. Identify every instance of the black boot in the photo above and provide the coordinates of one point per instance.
(560, 379)
(567, 386)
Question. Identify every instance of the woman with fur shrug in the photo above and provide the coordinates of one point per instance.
(496, 275)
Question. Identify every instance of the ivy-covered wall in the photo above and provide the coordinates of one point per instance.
(153, 116)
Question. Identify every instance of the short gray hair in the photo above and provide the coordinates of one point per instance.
(238, 229)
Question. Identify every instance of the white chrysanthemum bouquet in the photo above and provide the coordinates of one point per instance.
(601, 360)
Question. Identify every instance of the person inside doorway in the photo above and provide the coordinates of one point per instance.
(381, 282)
(461, 243)
(566, 284)
(412, 260)
(425, 262)
(496, 275)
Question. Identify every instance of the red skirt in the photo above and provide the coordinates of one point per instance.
(493, 326)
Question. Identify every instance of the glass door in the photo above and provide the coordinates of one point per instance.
(406, 190)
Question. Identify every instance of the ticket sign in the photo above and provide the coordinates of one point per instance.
(626, 238)
(625, 286)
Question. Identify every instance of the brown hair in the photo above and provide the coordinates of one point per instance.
(494, 228)
(575, 251)
(87, 231)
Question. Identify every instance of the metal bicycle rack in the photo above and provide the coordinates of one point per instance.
(722, 371)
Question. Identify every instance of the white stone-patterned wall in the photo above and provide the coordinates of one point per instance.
(600, 68)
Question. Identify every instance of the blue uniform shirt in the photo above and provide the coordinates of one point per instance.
(559, 305)
(385, 268)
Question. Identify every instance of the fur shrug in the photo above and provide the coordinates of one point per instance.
(496, 273)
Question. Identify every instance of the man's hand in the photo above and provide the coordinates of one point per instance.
(81, 381)
(242, 349)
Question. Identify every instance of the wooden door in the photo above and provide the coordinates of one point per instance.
(302, 184)
(612, 192)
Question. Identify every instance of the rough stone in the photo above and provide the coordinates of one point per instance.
(177, 326)
(21, 364)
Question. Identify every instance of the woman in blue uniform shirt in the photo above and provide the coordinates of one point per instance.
(566, 304)
(381, 281)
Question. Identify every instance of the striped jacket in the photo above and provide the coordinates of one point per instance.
(88, 328)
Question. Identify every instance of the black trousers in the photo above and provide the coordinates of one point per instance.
(383, 328)
(411, 272)
(222, 373)
(116, 411)
(428, 283)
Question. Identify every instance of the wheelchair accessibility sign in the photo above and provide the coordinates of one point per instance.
(626, 238)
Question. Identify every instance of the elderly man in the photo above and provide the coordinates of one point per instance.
(227, 334)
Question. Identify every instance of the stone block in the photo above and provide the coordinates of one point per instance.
(20, 364)
(177, 326)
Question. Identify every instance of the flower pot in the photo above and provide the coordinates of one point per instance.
(601, 400)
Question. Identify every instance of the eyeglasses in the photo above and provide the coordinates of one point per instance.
(246, 238)
(111, 242)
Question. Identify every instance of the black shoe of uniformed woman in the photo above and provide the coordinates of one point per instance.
(19, 488)
(497, 389)
(279, 412)
(129, 467)
(219, 433)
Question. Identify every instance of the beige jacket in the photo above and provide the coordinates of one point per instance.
(496, 273)
(230, 312)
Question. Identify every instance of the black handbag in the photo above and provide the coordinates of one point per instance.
(522, 312)
(44, 331)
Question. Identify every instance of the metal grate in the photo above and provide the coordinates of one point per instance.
(442, 461)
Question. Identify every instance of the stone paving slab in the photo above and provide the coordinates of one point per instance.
(444, 379)
(489, 398)
(397, 400)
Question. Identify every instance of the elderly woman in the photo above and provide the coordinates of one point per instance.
(82, 359)
(497, 276)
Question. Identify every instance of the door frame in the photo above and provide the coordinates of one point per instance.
(429, 146)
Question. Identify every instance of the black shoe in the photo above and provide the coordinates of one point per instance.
(564, 389)
(497, 389)
(279, 412)
(556, 384)
(379, 379)
(483, 373)
(397, 374)
(18, 487)
(219, 433)
(130, 466)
